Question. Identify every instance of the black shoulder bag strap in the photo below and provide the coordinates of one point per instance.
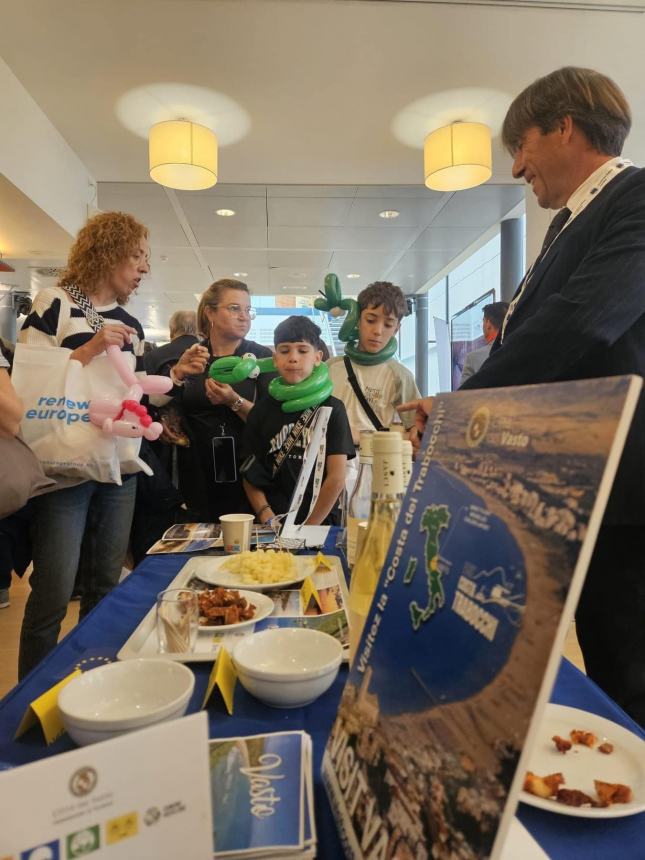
(361, 397)
(292, 438)
(93, 317)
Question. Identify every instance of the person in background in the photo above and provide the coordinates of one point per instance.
(269, 485)
(158, 502)
(579, 313)
(83, 527)
(494, 314)
(182, 328)
(214, 413)
(10, 414)
(383, 385)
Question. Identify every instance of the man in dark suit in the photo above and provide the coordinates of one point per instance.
(183, 334)
(579, 313)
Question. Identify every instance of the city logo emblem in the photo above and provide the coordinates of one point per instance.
(478, 427)
(121, 828)
(47, 851)
(83, 842)
(83, 781)
(151, 816)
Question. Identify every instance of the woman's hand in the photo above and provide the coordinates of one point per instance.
(112, 334)
(192, 362)
(220, 393)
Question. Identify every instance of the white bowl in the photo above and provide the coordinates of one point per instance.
(120, 697)
(287, 667)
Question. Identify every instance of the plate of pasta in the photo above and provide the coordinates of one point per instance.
(261, 570)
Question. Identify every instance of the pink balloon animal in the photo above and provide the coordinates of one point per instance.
(128, 417)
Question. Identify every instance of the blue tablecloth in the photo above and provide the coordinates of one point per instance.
(102, 633)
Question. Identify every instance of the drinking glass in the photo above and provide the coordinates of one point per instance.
(177, 620)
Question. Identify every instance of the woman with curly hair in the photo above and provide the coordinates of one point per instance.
(83, 527)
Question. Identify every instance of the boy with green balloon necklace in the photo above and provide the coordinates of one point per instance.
(279, 428)
(383, 381)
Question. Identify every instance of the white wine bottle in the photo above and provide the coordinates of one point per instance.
(406, 453)
(360, 501)
(387, 489)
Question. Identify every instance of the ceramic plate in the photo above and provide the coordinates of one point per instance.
(581, 765)
(214, 575)
(264, 606)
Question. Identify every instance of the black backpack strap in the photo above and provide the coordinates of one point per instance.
(351, 375)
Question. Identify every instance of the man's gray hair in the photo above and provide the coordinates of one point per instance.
(182, 322)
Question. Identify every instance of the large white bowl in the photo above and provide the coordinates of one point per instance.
(287, 667)
(120, 697)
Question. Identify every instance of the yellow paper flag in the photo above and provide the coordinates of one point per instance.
(308, 591)
(224, 677)
(44, 710)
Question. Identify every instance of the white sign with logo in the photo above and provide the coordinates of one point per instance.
(145, 795)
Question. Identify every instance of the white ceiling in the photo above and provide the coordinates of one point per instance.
(286, 238)
(322, 83)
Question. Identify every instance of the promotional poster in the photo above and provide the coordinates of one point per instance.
(457, 656)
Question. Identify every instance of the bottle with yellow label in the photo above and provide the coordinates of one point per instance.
(358, 508)
(387, 490)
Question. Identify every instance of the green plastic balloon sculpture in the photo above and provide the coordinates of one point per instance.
(349, 330)
(310, 392)
(232, 369)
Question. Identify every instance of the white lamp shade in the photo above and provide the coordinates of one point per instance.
(183, 155)
(457, 156)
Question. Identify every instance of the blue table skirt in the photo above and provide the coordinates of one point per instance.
(103, 632)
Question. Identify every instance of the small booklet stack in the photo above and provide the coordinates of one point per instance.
(197, 537)
(262, 795)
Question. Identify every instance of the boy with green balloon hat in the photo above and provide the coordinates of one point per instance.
(368, 379)
(280, 426)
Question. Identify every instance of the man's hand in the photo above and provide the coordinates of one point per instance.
(192, 362)
(219, 393)
(422, 408)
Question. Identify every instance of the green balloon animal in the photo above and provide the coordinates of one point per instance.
(335, 304)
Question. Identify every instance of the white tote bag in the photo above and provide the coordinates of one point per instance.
(56, 392)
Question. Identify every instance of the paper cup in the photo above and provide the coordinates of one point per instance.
(236, 532)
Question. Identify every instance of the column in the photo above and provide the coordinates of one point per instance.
(7, 316)
(511, 257)
(421, 343)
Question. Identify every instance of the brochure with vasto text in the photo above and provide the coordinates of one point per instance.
(463, 639)
(262, 796)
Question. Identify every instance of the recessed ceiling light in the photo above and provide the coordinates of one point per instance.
(163, 258)
(389, 213)
(353, 275)
(240, 274)
(227, 213)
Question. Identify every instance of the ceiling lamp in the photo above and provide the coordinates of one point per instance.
(183, 155)
(457, 156)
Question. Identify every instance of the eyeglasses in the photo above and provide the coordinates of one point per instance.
(238, 310)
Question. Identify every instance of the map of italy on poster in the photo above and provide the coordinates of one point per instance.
(463, 639)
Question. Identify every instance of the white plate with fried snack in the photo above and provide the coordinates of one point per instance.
(606, 760)
(217, 602)
(261, 570)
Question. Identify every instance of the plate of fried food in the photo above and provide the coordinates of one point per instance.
(222, 609)
(585, 765)
(260, 570)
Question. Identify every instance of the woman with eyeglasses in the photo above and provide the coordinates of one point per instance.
(214, 412)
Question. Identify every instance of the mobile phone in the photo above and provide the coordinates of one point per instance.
(224, 464)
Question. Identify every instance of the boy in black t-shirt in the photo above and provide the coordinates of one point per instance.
(268, 431)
